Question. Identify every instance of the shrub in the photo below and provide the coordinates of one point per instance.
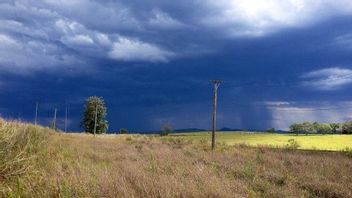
(270, 130)
(139, 147)
(129, 139)
(166, 129)
(123, 131)
(347, 151)
(292, 144)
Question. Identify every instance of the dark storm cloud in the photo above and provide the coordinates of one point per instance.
(66, 33)
(152, 60)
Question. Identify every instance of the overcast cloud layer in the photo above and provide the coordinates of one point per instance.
(152, 60)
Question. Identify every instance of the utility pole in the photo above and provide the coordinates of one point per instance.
(215, 98)
(36, 113)
(95, 120)
(66, 112)
(54, 121)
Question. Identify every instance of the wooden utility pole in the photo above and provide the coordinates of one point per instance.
(66, 112)
(36, 113)
(95, 120)
(215, 98)
(54, 121)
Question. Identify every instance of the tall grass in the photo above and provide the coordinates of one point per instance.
(81, 165)
(19, 145)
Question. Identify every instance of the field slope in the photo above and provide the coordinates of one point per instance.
(41, 163)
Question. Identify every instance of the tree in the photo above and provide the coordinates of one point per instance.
(94, 108)
(270, 130)
(334, 127)
(296, 128)
(166, 129)
(323, 128)
(309, 127)
(347, 127)
(123, 131)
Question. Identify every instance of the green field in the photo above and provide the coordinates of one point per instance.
(320, 142)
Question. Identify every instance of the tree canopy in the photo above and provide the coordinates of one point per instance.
(316, 127)
(94, 107)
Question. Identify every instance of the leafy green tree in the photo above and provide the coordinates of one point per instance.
(323, 128)
(123, 131)
(95, 106)
(296, 128)
(270, 130)
(347, 127)
(334, 127)
(309, 127)
(166, 129)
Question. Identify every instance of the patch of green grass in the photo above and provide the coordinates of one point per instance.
(314, 142)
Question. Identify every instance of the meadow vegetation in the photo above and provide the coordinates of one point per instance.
(37, 162)
(327, 142)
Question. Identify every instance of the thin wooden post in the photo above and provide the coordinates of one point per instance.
(215, 98)
(36, 113)
(66, 112)
(95, 120)
(54, 121)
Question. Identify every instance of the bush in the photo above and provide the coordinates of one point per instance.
(123, 131)
(129, 139)
(270, 130)
(347, 151)
(166, 129)
(292, 144)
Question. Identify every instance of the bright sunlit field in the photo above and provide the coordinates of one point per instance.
(319, 142)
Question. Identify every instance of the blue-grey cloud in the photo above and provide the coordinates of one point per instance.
(284, 115)
(328, 79)
(65, 33)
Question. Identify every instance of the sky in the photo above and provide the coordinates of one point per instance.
(152, 61)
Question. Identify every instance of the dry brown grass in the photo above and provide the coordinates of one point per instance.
(20, 144)
(78, 165)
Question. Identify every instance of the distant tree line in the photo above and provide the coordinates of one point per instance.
(322, 128)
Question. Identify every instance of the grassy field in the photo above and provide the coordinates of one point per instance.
(319, 142)
(38, 162)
